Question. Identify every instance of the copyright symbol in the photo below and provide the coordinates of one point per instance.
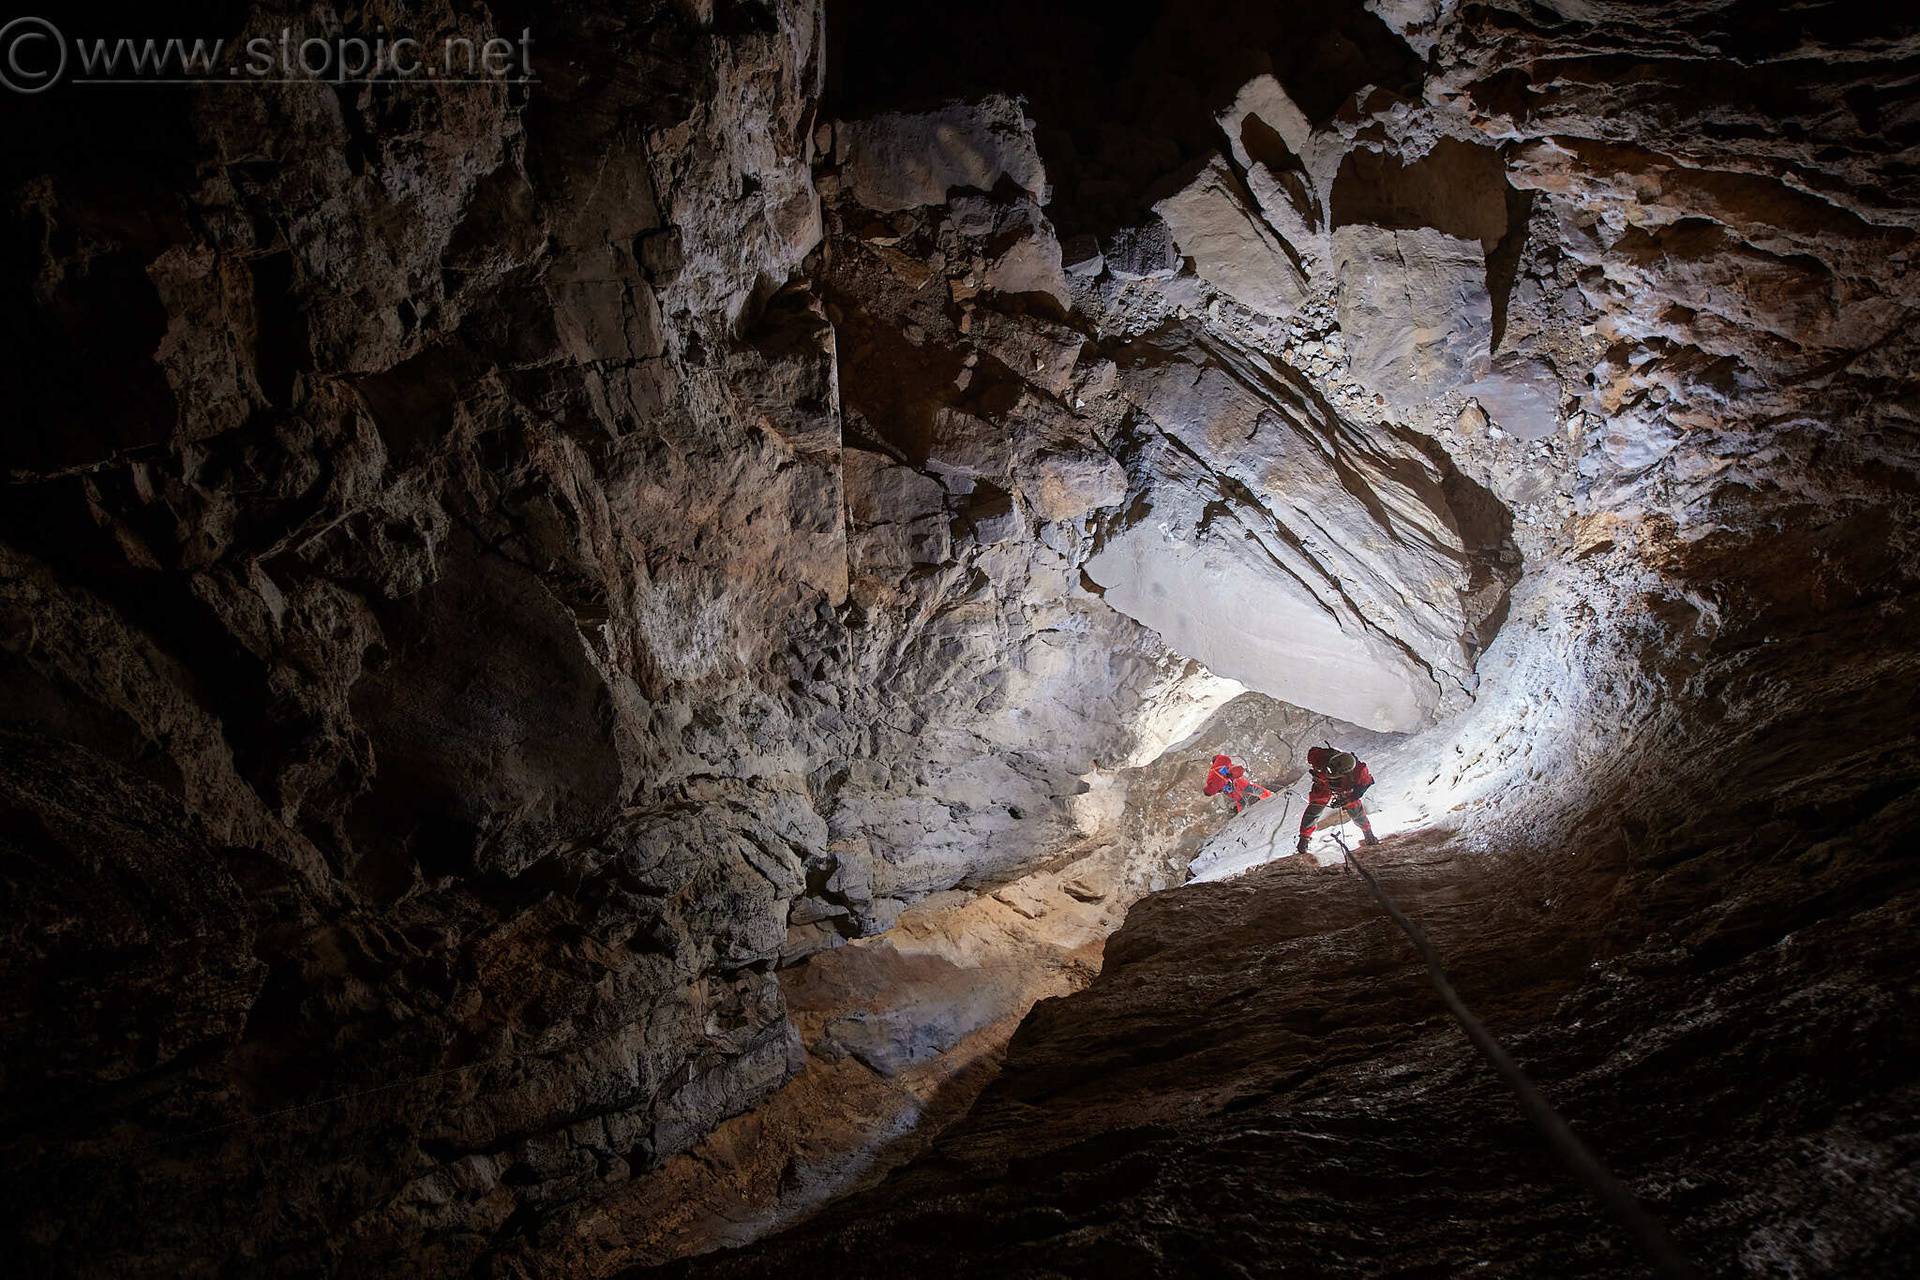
(27, 64)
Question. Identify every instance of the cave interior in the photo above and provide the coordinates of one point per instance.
(609, 671)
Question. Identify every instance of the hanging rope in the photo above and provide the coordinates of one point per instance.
(1279, 828)
(1643, 1227)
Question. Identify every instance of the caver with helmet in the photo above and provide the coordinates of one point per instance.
(1338, 780)
(1230, 779)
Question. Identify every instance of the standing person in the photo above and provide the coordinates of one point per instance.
(1339, 779)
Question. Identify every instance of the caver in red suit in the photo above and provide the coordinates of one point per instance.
(1230, 779)
(1338, 780)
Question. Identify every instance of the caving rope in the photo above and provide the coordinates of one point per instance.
(1279, 828)
(1643, 1227)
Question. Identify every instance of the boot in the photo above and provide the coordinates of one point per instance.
(1301, 847)
(1369, 839)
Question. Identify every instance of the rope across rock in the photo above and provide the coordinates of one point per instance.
(1645, 1230)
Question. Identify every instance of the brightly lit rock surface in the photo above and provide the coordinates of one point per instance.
(1322, 565)
(628, 630)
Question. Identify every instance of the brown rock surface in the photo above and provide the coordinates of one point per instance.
(1261, 1081)
(375, 674)
(573, 657)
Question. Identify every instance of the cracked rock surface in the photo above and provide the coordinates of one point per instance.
(575, 657)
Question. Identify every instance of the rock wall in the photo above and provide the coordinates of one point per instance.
(540, 575)
(1662, 855)
(421, 547)
(577, 655)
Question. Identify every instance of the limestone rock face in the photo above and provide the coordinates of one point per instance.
(1414, 308)
(906, 160)
(575, 658)
(377, 677)
(1232, 249)
(985, 684)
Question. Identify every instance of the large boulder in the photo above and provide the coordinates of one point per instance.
(1217, 593)
(1213, 222)
(1415, 309)
(901, 160)
(1323, 567)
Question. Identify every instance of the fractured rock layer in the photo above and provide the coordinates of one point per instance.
(576, 656)
(1675, 799)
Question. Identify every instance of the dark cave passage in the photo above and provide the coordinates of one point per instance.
(610, 667)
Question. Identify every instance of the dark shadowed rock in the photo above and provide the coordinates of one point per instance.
(575, 657)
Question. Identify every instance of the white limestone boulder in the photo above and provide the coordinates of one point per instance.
(1315, 563)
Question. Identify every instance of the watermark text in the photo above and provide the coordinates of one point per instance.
(35, 56)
